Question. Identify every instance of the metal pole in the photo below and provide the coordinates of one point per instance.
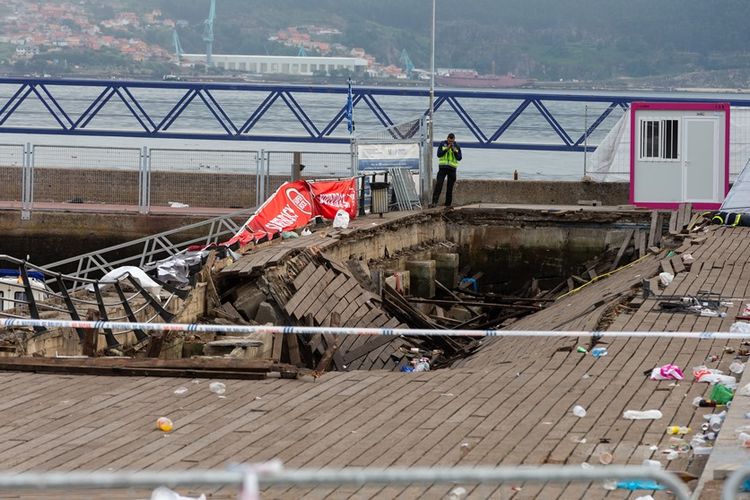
(733, 483)
(383, 332)
(351, 476)
(427, 182)
(585, 137)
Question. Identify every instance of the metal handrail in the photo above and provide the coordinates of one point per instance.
(334, 477)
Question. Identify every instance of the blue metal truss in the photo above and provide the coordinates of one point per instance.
(51, 93)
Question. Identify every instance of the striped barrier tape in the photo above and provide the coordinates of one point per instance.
(312, 330)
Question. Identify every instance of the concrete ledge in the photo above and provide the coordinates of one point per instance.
(539, 192)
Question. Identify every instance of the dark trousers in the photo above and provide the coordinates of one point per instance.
(444, 171)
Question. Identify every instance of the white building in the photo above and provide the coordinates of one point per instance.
(284, 65)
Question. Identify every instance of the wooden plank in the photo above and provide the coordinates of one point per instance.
(673, 222)
(623, 247)
(653, 229)
(640, 242)
(292, 343)
(302, 293)
(677, 264)
(666, 266)
(278, 339)
(303, 276)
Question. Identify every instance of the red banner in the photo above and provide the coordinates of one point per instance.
(294, 204)
(332, 196)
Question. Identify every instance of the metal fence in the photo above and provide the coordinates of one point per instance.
(39, 176)
(174, 175)
(12, 161)
(250, 478)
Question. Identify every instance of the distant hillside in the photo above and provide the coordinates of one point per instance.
(543, 39)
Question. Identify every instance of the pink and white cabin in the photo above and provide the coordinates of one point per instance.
(679, 153)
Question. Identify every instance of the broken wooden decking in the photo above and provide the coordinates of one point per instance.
(508, 404)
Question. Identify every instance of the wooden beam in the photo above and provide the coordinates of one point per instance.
(623, 247)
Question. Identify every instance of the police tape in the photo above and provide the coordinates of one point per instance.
(325, 330)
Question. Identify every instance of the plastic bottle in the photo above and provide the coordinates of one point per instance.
(642, 415)
(736, 367)
(714, 423)
(579, 411)
(677, 430)
(652, 463)
(598, 352)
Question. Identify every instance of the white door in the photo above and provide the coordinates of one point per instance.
(700, 160)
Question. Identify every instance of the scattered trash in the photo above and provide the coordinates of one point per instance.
(721, 394)
(609, 485)
(605, 458)
(516, 488)
(582, 350)
(639, 485)
(704, 403)
(465, 447)
(736, 367)
(713, 376)
(164, 493)
(652, 463)
(579, 411)
(642, 415)
(598, 352)
(645, 497)
(653, 448)
(744, 439)
(677, 430)
(687, 258)
(715, 421)
(667, 372)
(164, 424)
(702, 450)
(580, 441)
(417, 365)
(180, 391)
(177, 204)
(457, 493)
(670, 454)
(666, 278)
(739, 327)
(305, 232)
(341, 220)
(586, 376)
(288, 235)
(217, 388)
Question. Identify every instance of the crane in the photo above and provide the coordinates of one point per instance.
(177, 45)
(406, 61)
(208, 33)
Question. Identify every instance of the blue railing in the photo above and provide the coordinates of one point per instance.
(264, 112)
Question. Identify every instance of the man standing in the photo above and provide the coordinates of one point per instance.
(449, 153)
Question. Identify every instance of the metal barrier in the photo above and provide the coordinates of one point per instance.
(83, 174)
(317, 164)
(12, 171)
(146, 252)
(734, 482)
(273, 476)
(173, 177)
(382, 332)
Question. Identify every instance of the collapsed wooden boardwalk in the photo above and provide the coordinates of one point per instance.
(508, 404)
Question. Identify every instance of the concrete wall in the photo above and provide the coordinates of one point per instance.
(469, 191)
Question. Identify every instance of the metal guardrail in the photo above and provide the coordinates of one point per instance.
(333, 477)
(146, 252)
(213, 116)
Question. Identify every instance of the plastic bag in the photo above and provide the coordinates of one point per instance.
(721, 394)
(341, 220)
(666, 278)
(642, 415)
(667, 372)
(740, 327)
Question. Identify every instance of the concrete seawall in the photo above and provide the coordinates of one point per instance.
(539, 192)
(69, 231)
